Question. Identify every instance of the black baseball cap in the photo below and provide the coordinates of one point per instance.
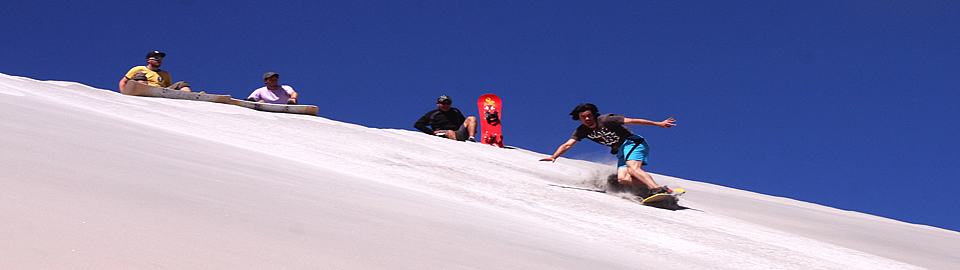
(155, 53)
(443, 98)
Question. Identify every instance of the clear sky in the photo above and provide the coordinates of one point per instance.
(850, 104)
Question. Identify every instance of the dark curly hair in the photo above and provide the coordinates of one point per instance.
(582, 108)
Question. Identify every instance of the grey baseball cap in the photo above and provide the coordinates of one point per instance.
(269, 74)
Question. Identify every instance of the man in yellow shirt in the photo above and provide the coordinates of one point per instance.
(155, 76)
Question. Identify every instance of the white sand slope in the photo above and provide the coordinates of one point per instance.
(91, 179)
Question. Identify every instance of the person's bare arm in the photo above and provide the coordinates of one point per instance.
(123, 83)
(561, 150)
(670, 122)
(293, 97)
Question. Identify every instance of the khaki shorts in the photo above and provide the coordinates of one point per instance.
(179, 85)
(462, 133)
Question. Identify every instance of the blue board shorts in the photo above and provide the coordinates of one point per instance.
(631, 150)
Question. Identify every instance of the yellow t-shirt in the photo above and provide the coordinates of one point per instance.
(158, 78)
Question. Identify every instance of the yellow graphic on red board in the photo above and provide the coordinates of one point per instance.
(489, 105)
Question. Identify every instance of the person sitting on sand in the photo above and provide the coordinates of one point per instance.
(447, 121)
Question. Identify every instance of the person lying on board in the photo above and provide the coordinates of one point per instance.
(154, 76)
(274, 93)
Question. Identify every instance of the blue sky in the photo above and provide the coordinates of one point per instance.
(850, 104)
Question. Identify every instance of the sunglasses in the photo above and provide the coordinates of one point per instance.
(156, 58)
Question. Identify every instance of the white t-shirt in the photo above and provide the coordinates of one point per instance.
(278, 96)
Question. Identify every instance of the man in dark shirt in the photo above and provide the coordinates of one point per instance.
(631, 149)
(447, 121)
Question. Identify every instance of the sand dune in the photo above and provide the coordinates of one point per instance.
(92, 179)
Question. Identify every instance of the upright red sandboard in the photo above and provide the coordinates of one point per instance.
(490, 114)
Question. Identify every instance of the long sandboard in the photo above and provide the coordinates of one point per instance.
(280, 108)
(138, 89)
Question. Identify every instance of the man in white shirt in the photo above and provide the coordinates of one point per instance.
(274, 92)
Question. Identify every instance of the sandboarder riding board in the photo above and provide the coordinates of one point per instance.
(660, 196)
(138, 89)
(490, 113)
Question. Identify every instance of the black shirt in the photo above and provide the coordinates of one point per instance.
(610, 131)
(440, 120)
